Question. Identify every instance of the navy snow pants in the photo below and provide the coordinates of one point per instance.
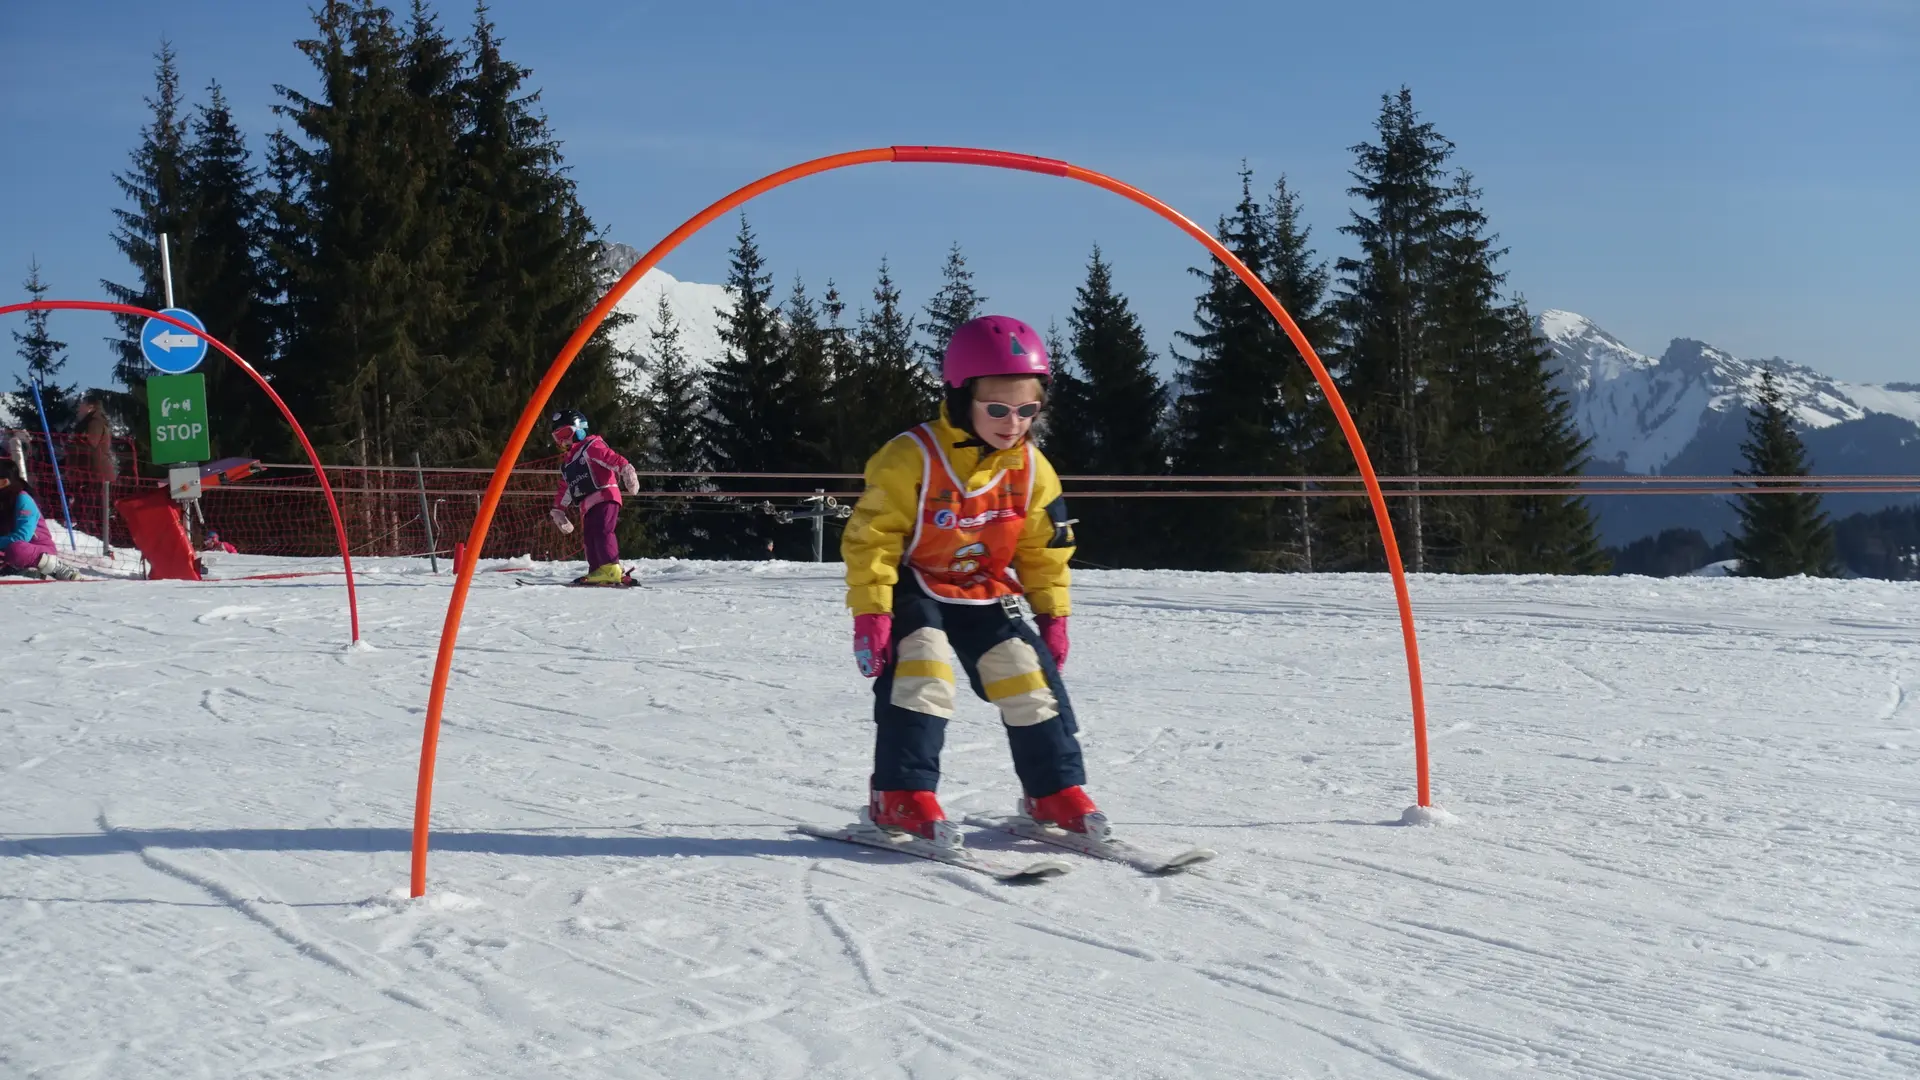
(1005, 662)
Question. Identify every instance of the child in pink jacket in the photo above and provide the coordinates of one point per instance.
(591, 478)
(27, 548)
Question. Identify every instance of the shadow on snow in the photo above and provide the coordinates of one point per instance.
(121, 841)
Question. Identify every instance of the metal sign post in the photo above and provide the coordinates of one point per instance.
(166, 271)
(426, 513)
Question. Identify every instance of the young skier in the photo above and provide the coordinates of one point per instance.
(28, 546)
(591, 478)
(960, 517)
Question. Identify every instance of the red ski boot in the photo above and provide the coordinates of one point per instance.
(1070, 809)
(915, 812)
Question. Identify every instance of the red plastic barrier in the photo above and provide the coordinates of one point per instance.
(154, 519)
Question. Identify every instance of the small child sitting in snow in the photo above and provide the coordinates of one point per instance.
(28, 548)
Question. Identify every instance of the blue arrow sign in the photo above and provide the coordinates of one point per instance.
(171, 349)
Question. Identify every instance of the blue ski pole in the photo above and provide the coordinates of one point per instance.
(54, 454)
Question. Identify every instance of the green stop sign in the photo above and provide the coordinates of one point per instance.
(177, 418)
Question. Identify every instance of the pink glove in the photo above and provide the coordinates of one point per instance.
(560, 521)
(1054, 632)
(629, 480)
(873, 643)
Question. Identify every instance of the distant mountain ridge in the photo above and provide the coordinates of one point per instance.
(1685, 412)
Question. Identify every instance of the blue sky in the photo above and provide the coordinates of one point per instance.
(1739, 171)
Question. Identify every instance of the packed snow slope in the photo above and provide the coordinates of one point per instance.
(1686, 837)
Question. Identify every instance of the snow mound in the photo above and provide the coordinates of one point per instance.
(1723, 568)
(1427, 815)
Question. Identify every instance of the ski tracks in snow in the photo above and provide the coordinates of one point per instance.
(1674, 857)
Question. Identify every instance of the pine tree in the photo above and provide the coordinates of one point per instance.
(846, 449)
(366, 315)
(887, 390)
(1385, 353)
(44, 358)
(286, 234)
(952, 306)
(1109, 412)
(1552, 533)
(1229, 415)
(527, 252)
(809, 365)
(220, 275)
(1065, 430)
(156, 189)
(671, 411)
(809, 408)
(745, 424)
(1465, 331)
(1297, 277)
(1045, 433)
(1780, 534)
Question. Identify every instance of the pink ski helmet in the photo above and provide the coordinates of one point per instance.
(993, 345)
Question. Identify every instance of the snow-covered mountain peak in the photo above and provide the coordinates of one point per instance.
(1558, 325)
(1641, 411)
(697, 310)
(1588, 354)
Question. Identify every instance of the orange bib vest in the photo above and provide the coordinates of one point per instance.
(963, 541)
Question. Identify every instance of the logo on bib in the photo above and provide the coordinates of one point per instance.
(943, 519)
(985, 516)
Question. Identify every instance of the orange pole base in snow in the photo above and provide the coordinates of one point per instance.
(339, 527)
(951, 155)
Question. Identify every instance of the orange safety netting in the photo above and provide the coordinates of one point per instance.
(281, 509)
(388, 512)
(84, 474)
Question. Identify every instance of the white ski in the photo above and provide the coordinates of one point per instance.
(863, 833)
(1101, 845)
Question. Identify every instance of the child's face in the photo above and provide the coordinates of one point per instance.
(1011, 395)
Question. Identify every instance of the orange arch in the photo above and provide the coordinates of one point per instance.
(954, 155)
(339, 528)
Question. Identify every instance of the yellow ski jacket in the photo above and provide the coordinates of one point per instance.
(876, 535)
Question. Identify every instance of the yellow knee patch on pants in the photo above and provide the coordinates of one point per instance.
(1011, 676)
(923, 674)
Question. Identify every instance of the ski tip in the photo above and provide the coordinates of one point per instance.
(1035, 872)
(1185, 860)
(825, 832)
